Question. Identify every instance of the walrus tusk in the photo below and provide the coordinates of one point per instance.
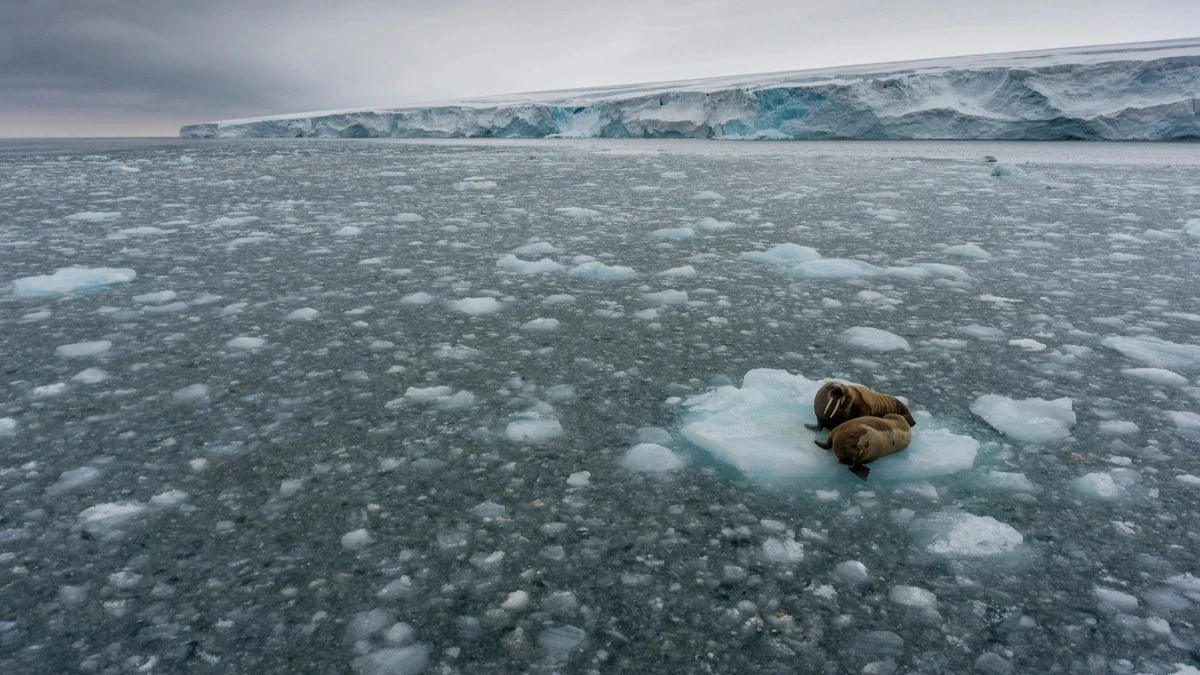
(827, 404)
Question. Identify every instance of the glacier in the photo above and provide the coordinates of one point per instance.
(1143, 91)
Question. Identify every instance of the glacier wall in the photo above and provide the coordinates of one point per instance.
(1147, 92)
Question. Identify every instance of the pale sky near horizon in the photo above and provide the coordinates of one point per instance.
(147, 67)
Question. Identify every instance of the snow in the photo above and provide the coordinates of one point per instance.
(1042, 99)
(758, 429)
(71, 280)
(1031, 420)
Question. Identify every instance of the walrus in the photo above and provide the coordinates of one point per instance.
(866, 439)
(838, 402)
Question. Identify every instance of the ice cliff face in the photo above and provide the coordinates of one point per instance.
(1146, 91)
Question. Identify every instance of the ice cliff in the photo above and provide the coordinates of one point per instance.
(1146, 91)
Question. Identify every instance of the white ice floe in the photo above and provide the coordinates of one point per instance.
(558, 299)
(536, 248)
(758, 428)
(408, 660)
(70, 280)
(577, 212)
(1108, 485)
(83, 349)
(540, 325)
(1031, 420)
(302, 314)
(246, 343)
(872, 339)
(687, 272)
(348, 231)
(674, 233)
(193, 393)
(1188, 422)
(476, 306)
(600, 271)
(1112, 600)
(418, 298)
(94, 216)
(1156, 352)
(8, 426)
(513, 264)
(972, 251)
(1159, 376)
(74, 478)
(783, 254)
(651, 457)
(357, 540)
(105, 518)
(90, 376)
(668, 297)
(156, 298)
(912, 596)
(1118, 427)
(534, 429)
(958, 534)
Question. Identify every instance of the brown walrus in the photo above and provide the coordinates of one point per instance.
(837, 402)
(866, 439)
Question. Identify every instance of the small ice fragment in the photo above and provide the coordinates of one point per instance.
(192, 393)
(475, 306)
(419, 298)
(516, 601)
(540, 325)
(1031, 420)
(872, 339)
(851, 572)
(536, 430)
(356, 540)
(651, 457)
(302, 314)
(81, 349)
(579, 478)
(912, 596)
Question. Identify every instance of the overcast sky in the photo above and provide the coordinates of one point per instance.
(146, 67)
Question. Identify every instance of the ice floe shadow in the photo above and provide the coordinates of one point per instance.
(758, 429)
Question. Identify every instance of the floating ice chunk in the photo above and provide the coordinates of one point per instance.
(536, 248)
(1186, 421)
(8, 426)
(1008, 481)
(835, 268)
(193, 393)
(1003, 170)
(783, 550)
(90, 376)
(651, 457)
(1115, 600)
(515, 602)
(169, 498)
(419, 298)
(456, 352)
(303, 314)
(579, 478)
(461, 400)
(246, 343)
(1192, 228)
(1108, 485)
(982, 332)
(121, 168)
(104, 518)
(1118, 427)
(1031, 420)
(74, 478)
(561, 640)
(156, 298)
(912, 596)
(972, 251)
(489, 509)
(687, 271)
(357, 540)
(600, 271)
(934, 269)
(535, 429)
(165, 309)
(669, 297)
(674, 233)
(759, 429)
(558, 299)
(958, 534)
(709, 224)
(427, 394)
(408, 218)
(475, 184)
(513, 264)
(872, 339)
(348, 231)
(1155, 352)
(850, 572)
(49, 389)
(540, 325)
(577, 212)
(1159, 376)
(70, 280)
(394, 661)
(476, 306)
(783, 254)
(82, 349)
(94, 216)
(1028, 344)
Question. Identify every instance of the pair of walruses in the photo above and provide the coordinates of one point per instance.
(866, 424)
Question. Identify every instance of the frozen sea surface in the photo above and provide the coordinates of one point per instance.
(400, 407)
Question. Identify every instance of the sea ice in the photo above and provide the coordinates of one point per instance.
(475, 306)
(70, 280)
(758, 428)
(1158, 376)
(540, 325)
(82, 349)
(302, 314)
(600, 271)
(674, 233)
(1156, 352)
(782, 254)
(872, 339)
(972, 251)
(958, 534)
(1031, 420)
(418, 298)
(577, 212)
(246, 343)
(513, 264)
(651, 457)
(535, 429)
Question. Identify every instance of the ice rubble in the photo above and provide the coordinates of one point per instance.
(1118, 92)
(1031, 420)
(758, 428)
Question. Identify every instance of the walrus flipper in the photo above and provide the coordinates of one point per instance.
(860, 470)
(814, 427)
(824, 445)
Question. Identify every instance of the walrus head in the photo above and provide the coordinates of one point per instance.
(836, 394)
